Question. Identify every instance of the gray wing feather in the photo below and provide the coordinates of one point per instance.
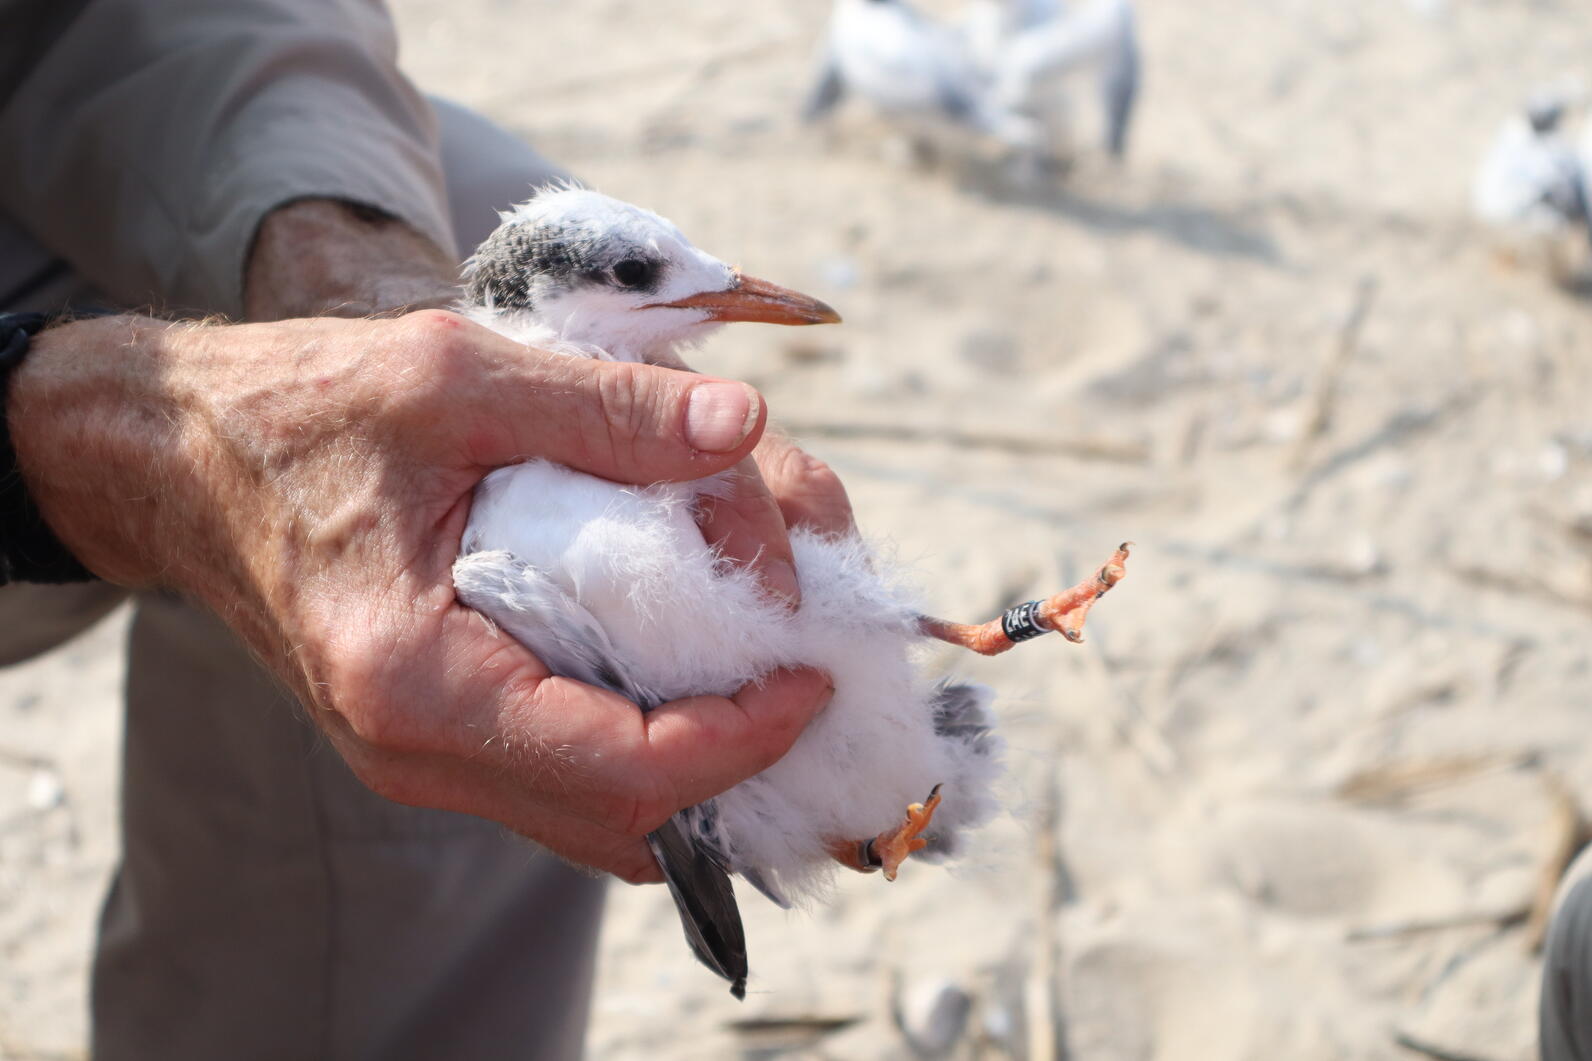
(537, 612)
(961, 713)
(705, 900)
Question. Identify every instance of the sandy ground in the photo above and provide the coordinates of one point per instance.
(1293, 798)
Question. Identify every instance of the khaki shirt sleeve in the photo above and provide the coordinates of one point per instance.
(147, 139)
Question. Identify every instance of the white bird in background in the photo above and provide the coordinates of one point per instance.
(1004, 73)
(1533, 188)
(913, 70)
(1044, 44)
(613, 585)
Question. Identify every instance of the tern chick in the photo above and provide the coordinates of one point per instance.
(613, 585)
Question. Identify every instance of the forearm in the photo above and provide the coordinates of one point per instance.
(320, 257)
(102, 433)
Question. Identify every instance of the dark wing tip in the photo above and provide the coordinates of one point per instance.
(706, 902)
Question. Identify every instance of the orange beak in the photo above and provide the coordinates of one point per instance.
(757, 300)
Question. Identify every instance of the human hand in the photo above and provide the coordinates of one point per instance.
(778, 487)
(310, 480)
(807, 490)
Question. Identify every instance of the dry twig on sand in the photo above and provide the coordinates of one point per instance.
(1401, 781)
(1040, 990)
(1432, 1050)
(1324, 396)
(25, 760)
(1496, 919)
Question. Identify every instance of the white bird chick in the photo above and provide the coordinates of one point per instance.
(613, 585)
(913, 70)
(1532, 189)
(576, 267)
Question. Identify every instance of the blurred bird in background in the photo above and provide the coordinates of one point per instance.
(1042, 47)
(1532, 188)
(613, 585)
(1006, 71)
(914, 71)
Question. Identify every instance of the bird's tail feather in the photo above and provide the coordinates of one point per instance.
(706, 901)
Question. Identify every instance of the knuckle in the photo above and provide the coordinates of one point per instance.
(623, 407)
(811, 492)
(818, 472)
(776, 730)
(436, 350)
(434, 326)
(818, 477)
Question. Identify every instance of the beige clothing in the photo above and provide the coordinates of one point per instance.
(268, 906)
(145, 139)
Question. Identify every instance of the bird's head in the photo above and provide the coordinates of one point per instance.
(604, 273)
(1544, 112)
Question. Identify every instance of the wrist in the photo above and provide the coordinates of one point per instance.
(94, 433)
(30, 551)
(323, 257)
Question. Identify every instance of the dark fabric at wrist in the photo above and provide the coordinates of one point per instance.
(29, 550)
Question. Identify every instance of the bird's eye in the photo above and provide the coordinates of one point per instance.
(634, 272)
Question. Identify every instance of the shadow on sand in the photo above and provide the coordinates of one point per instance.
(1192, 225)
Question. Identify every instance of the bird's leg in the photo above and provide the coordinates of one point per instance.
(1065, 612)
(893, 846)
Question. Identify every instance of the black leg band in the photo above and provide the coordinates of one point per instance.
(1022, 622)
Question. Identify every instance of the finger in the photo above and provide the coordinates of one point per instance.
(587, 753)
(745, 523)
(626, 422)
(590, 754)
(596, 757)
(707, 744)
(809, 493)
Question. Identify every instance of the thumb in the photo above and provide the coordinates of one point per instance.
(626, 422)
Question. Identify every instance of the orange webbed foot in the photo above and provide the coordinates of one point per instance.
(893, 846)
